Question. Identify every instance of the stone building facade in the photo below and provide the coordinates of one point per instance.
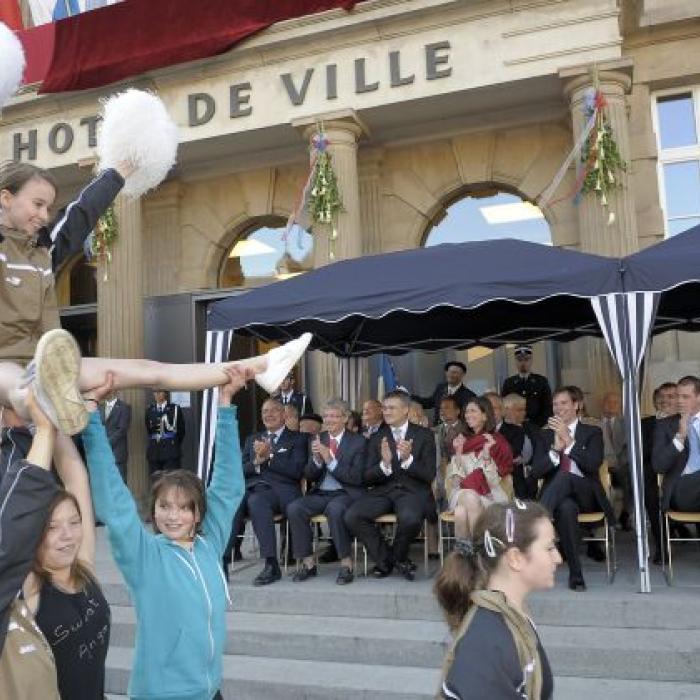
(424, 102)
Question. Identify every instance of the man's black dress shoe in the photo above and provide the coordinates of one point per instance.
(595, 551)
(576, 583)
(382, 570)
(406, 569)
(268, 575)
(345, 576)
(329, 556)
(303, 573)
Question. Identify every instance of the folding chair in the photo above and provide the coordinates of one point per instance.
(390, 519)
(599, 518)
(675, 516)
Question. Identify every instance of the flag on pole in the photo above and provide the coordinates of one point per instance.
(44, 11)
(387, 377)
(10, 14)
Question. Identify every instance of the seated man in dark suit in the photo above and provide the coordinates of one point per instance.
(334, 474)
(452, 386)
(568, 456)
(400, 469)
(676, 451)
(273, 464)
(665, 400)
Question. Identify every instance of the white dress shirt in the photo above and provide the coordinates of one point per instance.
(693, 425)
(554, 455)
(399, 433)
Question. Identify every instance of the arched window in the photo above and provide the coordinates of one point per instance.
(485, 213)
(263, 253)
(481, 213)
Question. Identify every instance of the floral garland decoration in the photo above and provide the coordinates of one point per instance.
(600, 154)
(320, 198)
(597, 154)
(325, 202)
(102, 239)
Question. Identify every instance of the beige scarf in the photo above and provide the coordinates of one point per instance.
(524, 637)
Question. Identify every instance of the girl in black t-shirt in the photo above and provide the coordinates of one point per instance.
(482, 588)
(63, 593)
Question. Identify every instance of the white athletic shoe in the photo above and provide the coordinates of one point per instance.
(280, 362)
(53, 376)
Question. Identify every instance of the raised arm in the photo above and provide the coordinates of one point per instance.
(131, 543)
(74, 223)
(73, 474)
(26, 492)
(228, 484)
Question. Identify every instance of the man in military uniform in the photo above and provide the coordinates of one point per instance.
(287, 394)
(165, 426)
(534, 387)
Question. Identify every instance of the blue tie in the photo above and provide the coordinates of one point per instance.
(693, 464)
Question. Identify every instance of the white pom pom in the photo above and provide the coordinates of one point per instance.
(11, 63)
(136, 127)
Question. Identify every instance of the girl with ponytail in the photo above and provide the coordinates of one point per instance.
(482, 590)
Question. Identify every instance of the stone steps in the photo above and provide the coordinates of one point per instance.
(263, 678)
(648, 654)
(386, 638)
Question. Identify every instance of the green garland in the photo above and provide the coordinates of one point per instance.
(105, 234)
(325, 202)
(602, 160)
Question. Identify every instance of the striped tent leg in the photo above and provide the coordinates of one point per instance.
(626, 321)
(218, 346)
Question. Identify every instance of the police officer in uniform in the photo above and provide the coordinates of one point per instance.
(165, 425)
(534, 387)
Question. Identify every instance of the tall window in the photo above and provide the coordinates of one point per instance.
(263, 255)
(488, 213)
(677, 125)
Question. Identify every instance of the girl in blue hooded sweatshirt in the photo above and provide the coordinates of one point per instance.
(174, 576)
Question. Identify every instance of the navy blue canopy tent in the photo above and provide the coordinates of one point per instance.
(483, 293)
(448, 296)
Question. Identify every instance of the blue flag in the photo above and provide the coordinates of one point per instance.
(387, 376)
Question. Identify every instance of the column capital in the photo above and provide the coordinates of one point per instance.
(167, 196)
(615, 77)
(344, 122)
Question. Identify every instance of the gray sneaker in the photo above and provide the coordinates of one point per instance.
(53, 376)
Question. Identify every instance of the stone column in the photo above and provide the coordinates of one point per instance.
(371, 202)
(120, 324)
(599, 232)
(162, 240)
(343, 130)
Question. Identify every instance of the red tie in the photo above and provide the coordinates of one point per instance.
(334, 447)
(564, 462)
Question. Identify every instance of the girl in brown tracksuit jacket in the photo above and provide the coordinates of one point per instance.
(30, 252)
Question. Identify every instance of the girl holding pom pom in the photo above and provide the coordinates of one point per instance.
(30, 250)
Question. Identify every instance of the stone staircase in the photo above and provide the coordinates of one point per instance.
(385, 638)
